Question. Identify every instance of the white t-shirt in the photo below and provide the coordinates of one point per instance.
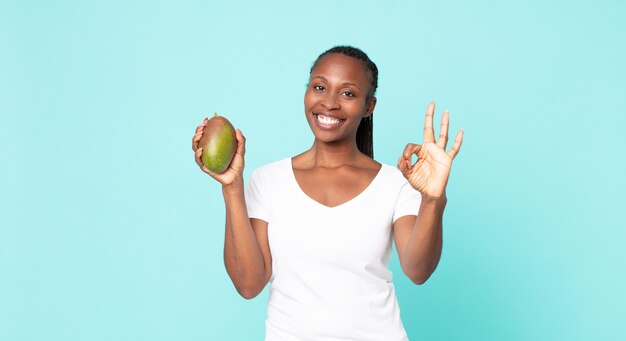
(330, 276)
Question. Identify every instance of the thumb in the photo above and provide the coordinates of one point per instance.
(402, 166)
(241, 143)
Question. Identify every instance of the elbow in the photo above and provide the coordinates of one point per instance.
(418, 280)
(247, 287)
(248, 293)
(420, 275)
(417, 277)
(251, 290)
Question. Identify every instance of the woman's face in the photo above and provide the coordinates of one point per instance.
(335, 99)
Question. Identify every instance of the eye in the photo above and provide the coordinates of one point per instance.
(318, 87)
(349, 93)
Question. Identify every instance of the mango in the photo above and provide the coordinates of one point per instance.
(218, 143)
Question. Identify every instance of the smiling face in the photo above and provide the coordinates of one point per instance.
(337, 98)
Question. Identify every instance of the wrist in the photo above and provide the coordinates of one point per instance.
(234, 187)
(435, 200)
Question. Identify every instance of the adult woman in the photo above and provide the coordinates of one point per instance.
(319, 225)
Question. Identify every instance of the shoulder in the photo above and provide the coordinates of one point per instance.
(394, 182)
(273, 169)
(392, 175)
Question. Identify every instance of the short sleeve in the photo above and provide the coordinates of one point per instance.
(257, 197)
(408, 202)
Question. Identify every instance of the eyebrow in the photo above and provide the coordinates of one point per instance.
(344, 84)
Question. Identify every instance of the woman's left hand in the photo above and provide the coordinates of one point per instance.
(430, 173)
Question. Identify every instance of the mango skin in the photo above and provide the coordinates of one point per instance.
(218, 143)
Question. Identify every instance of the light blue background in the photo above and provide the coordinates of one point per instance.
(109, 231)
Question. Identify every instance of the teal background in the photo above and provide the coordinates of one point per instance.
(109, 231)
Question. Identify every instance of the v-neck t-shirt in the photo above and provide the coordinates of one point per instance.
(330, 277)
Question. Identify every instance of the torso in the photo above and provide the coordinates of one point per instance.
(330, 274)
(334, 186)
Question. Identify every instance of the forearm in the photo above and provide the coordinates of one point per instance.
(423, 249)
(242, 256)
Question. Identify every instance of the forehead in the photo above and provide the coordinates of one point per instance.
(341, 67)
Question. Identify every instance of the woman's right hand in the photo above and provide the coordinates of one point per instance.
(233, 175)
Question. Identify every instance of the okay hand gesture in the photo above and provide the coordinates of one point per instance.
(429, 175)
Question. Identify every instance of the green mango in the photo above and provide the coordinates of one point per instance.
(218, 143)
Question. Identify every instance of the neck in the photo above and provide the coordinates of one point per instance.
(331, 156)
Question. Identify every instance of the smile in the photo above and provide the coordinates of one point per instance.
(327, 122)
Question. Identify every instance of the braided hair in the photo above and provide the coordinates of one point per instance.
(364, 133)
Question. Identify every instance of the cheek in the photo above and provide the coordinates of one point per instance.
(309, 99)
(356, 106)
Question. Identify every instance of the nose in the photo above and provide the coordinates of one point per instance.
(330, 101)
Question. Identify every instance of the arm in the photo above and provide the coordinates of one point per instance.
(419, 240)
(246, 248)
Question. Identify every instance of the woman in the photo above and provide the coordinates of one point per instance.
(318, 226)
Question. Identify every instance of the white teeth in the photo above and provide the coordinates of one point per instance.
(327, 120)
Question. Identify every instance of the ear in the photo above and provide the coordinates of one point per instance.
(369, 107)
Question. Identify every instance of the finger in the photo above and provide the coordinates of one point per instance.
(443, 131)
(198, 135)
(241, 142)
(429, 133)
(402, 164)
(198, 155)
(194, 141)
(458, 141)
(201, 126)
(408, 152)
